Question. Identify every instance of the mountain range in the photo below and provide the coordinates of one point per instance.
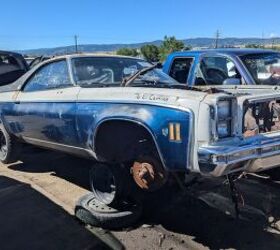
(193, 42)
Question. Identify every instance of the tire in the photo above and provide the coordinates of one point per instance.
(91, 211)
(110, 183)
(9, 147)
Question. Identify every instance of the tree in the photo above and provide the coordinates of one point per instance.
(187, 47)
(127, 52)
(169, 45)
(150, 52)
(253, 46)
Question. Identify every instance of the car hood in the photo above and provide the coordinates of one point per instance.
(244, 89)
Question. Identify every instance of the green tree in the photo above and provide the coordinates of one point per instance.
(127, 52)
(188, 47)
(150, 52)
(253, 46)
(169, 45)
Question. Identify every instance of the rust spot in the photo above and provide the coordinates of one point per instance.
(149, 174)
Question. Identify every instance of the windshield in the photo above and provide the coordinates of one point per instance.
(264, 68)
(111, 71)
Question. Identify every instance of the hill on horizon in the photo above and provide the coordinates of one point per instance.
(194, 42)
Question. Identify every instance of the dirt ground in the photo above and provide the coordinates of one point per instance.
(38, 195)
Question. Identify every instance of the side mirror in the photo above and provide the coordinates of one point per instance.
(232, 81)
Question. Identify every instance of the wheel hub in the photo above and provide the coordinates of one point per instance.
(148, 175)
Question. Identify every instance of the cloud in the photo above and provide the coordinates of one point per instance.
(273, 35)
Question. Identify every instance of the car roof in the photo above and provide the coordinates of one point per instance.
(79, 55)
(17, 84)
(229, 51)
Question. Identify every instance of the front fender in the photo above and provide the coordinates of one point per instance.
(170, 128)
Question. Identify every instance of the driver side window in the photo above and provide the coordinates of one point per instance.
(217, 71)
(51, 76)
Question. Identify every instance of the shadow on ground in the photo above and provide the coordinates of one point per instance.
(72, 169)
(178, 212)
(29, 220)
(211, 227)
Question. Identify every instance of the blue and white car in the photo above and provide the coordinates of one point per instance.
(137, 122)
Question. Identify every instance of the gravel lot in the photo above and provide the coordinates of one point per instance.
(173, 218)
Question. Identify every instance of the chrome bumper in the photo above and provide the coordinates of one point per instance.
(260, 154)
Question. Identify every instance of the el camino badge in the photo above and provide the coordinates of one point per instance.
(151, 97)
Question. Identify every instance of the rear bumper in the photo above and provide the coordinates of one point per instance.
(260, 154)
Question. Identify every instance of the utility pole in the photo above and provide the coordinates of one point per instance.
(217, 37)
(272, 43)
(76, 43)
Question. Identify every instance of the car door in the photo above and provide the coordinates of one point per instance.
(216, 69)
(46, 106)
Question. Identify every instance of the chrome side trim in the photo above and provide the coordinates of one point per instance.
(61, 147)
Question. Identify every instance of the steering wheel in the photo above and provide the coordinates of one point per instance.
(215, 76)
(272, 80)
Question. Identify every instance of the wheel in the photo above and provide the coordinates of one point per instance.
(9, 149)
(93, 212)
(109, 183)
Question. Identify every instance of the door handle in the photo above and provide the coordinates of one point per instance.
(16, 102)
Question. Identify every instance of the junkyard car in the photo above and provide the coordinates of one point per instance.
(12, 66)
(224, 67)
(137, 122)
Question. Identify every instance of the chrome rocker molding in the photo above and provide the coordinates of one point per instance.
(61, 147)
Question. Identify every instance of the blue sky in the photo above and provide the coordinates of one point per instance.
(50, 23)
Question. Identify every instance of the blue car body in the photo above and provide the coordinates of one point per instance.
(68, 119)
(233, 54)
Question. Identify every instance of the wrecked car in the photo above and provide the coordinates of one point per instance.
(224, 67)
(12, 66)
(138, 123)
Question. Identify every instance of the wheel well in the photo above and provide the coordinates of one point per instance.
(122, 141)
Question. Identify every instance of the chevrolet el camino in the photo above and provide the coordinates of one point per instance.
(137, 123)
